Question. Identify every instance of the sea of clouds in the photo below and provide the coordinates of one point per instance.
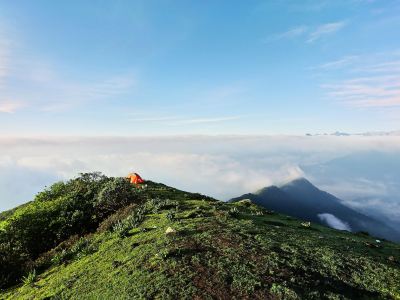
(360, 170)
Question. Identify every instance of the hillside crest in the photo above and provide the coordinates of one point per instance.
(96, 236)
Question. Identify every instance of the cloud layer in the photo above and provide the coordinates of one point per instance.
(220, 166)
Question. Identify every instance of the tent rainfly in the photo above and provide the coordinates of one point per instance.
(135, 178)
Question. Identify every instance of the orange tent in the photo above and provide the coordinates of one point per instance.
(135, 178)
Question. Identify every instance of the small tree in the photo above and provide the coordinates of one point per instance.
(116, 194)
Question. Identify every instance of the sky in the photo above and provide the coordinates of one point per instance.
(146, 68)
(208, 96)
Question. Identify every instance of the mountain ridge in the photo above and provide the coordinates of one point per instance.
(98, 237)
(300, 198)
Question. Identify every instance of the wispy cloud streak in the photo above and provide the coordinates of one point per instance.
(310, 33)
(72, 94)
(294, 32)
(4, 58)
(45, 87)
(338, 64)
(370, 81)
(324, 30)
(10, 107)
(185, 121)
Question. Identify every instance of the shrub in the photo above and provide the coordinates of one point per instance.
(13, 261)
(119, 215)
(282, 292)
(56, 255)
(60, 211)
(132, 221)
(170, 216)
(156, 205)
(75, 246)
(234, 212)
(56, 190)
(257, 212)
(30, 278)
(83, 247)
(60, 257)
(75, 207)
(116, 194)
(245, 202)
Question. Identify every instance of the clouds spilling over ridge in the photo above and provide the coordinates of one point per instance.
(221, 166)
(334, 222)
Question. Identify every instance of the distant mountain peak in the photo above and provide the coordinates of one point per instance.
(267, 189)
(301, 199)
(300, 182)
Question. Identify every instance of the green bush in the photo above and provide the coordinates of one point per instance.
(30, 278)
(170, 216)
(115, 194)
(156, 205)
(74, 247)
(57, 254)
(60, 257)
(76, 207)
(13, 261)
(119, 215)
(83, 247)
(234, 212)
(132, 221)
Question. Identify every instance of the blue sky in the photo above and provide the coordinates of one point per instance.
(198, 67)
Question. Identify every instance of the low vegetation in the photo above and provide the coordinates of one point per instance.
(76, 207)
(77, 240)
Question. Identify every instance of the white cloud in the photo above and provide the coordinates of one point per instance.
(365, 81)
(19, 183)
(324, 30)
(221, 166)
(43, 86)
(10, 106)
(207, 120)
(152, 119)
(5, 57)
(339, 63)
(64, 94)
(334, 222)
(311, 34)
(293, 32)
(176, 121)
(376, 90)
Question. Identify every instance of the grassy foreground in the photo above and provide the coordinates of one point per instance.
(214, 250)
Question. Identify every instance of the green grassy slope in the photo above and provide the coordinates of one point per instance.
(219, 250)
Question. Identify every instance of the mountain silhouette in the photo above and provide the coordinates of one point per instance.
(301, 199)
